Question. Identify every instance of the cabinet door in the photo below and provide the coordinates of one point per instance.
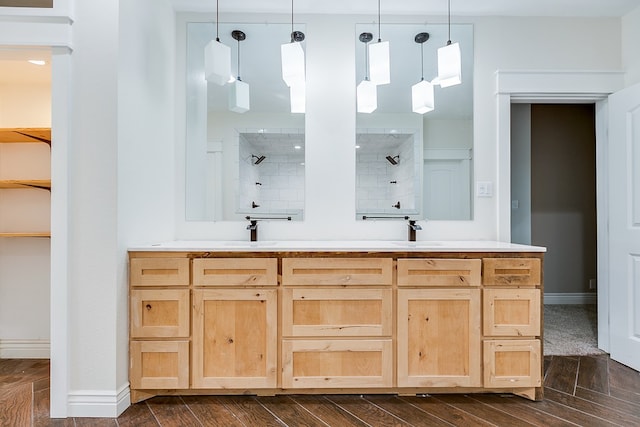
(234, 338)
(511, 312)
(159, 365)
(337, 363)
(159, 271)
(159, 313)
(439, 338)
(512, 363)
(511, 271)
(336, 312)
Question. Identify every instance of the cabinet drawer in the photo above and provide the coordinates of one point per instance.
(511, 312)
(337, 271)
(439, 272)
(512, 363)
(159, 271)
(159, 365)
(160, 313)
(235, 272)
(511, 271)
(337, 363)
(336, 312)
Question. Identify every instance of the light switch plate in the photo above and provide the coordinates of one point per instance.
(484, 189)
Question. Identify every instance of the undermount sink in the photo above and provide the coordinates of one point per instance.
(241, 244)
(423, 244)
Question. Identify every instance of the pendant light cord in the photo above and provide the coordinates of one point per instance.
(449, 15)
(217, 22)
(366, 62)
(379, 35)
(421, 61)
(239, 60)
(291, 21)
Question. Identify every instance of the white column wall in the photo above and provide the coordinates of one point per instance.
(92, 208)
(630, 51)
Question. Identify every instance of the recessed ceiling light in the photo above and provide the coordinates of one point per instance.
(37, 62)
(297, 147)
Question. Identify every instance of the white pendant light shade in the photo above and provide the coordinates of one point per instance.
(217, 62)
(379, 64)
(367, 97)
(239, 97)
(293, 72)
(449, 65)
(422, 97)
(298, 98)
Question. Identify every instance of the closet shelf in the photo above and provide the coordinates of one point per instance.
(44, 184)
(27, 234)
(25, 135)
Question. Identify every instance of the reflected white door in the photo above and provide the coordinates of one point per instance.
(624, 226)
(446, 189)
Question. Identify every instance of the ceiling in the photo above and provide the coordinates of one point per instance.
(431, 7)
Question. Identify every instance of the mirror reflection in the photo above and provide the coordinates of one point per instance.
(221, 173)
(443, 138)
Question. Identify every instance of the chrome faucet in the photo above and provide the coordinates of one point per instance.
(253, 226)
(413, 227)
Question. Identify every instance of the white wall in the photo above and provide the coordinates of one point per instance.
(630, 51)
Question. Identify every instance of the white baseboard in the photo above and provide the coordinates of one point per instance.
(99, 403)
(580, 298)
(25, 349)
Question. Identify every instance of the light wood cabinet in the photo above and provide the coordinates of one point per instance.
(274, 323)
(234, 338)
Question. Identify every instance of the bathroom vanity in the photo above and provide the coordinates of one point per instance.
(298, 317)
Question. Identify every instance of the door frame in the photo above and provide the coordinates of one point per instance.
(555, 86)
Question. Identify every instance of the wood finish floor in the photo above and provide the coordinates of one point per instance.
(583, 391)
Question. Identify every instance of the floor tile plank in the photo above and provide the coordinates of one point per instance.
(593, 374)
(408, 413)
(592, 408)
(562, 374)
(327, 411)
(444, 411)
(137, 415)
(290, 413)
(486, 412)
(16, 405)
(623, 377)
(522, 409)
(95, 422)
(608, 401)
(629, 396)
(250, 412)
(171, 411)
(569, 414)
(364, 410)
(211, 411)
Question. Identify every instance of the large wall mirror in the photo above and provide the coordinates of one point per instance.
(250, 163)
(409, 164)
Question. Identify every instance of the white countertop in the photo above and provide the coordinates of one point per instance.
(336, 246)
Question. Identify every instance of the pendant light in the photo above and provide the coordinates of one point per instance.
(422, 92)
(449, 61)
(217, 59)
(293, 68)
(379, 63)
(239, 91)
(367, 91)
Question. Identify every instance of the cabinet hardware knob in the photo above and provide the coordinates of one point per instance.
(148, 306)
